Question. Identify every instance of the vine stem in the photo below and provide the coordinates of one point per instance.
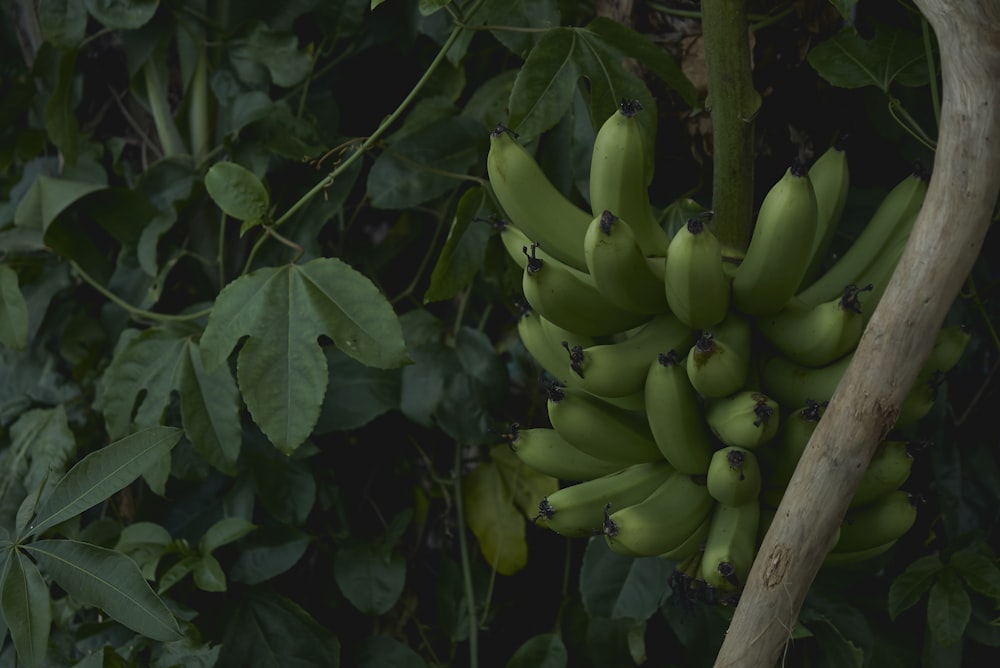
(463, 546)
(937, 259)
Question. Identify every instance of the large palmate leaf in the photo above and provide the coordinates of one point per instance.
(103, 473)
(24, 600)
(281, 369)
(108, 580)
(891, 56)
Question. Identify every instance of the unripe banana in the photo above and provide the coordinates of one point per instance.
(730, 546)
(600, 429)
(919, 401)
(674, 413)
(547, 452)
(560, 295)
(898, 209)
(883, 520)
(949, 346)
(660, 522)
(694, 543)
(848, 558)
(544, 348)
(734, 477)
(620, 177)
(818, 335)
(776, 259)
(718, 363)
(618, 266)
(780, 459)
(830, 177)
(579, 510)
(696, 285)
(746, 419)
(794, 384)
(532, 203)
(517, 244)
(619, 369)
(889, 468)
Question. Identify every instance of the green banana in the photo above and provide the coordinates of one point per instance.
(794, 384)
(780, 459)
(673, 411)
(561, 296)
(620, 178)
(889, 468)
(848, 558)
(830, 177)
(660, 522)
(618, 266)
(600, 429)
(693, 544)
(579, 510)
(898, 209)
(776, 259)
(818, 335)
(696, 285)
(734, 477)
(949, 346)
(730, 546)
(532, 202)
(718, 363)
(547, 452)
(883, 520)
(919, 401)
(619, 369)
(517, 244)
(547, 352)
(745, 419)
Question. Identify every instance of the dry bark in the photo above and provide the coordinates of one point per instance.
(945, 242)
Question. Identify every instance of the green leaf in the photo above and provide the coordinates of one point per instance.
(102, 473)
(281, 370)
(979, 570)
(122, 14)
(845, 8)
(271, 631)
(428, 7)
(60, 117)
(425, 164)
(544, 87)
(620, 587)
(910, 585)
(186, 652)
(356, 394)
(145, 543)
(370, 577)
(285, 486)
(530, 14)
(177, 572)
(210, 409)
(13, 311)
(263, 56)
(107, 580)
(464, 250)
(269, 552)
(948, 609)
(653, 57)
(63, 22)
(208, 575)
(545, 650)
(238, 192)
(24, 600)
(223, 532)
(48, 197)
(378, 651)
(836, 650)
(893, 55)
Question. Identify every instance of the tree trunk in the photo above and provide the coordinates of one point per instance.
(946, 239)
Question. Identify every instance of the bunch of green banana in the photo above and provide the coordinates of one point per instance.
(684, 385)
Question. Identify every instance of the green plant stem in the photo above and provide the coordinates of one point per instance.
(733, 103)
(134, 311)
(170, 138)
(463, 546)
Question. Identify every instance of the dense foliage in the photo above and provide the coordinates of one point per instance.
(257, 335)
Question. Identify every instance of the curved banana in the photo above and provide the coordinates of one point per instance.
(919, 401)
(730, 546)
(547, 452)
(718, 363)
(734, 477)
(619, 369)
(830, 176)
(544, 347)
(579, 510)
(695, 282)
(898, 209)
(818, 335)
(533, 203)
(618, 266)
(517, 244)
(782, 456)
(794, 384)
(889, 468)
(883, 520)
(673, 411)
(561, 296)
(620, 177)
(776, 259)
(848, 558)
(693, 544)
(949, 346)
(600, 429)
(745, 419)
(660, 522)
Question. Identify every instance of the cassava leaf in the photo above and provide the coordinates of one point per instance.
(892, 55)
(948, 608)
(13, 311)
(281, 369)
(24, 601)
(913, 583)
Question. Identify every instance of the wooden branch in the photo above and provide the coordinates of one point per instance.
(945, 242)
